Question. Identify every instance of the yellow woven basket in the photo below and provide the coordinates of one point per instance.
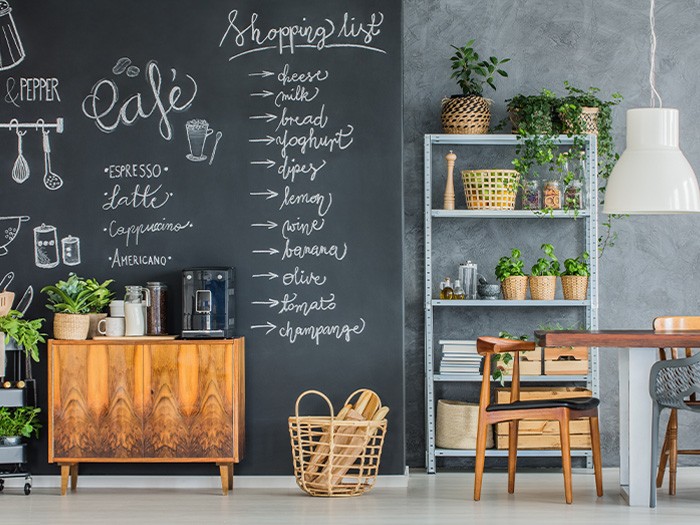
(575, 287)
(490, 189)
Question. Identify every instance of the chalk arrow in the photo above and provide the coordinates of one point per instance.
(270, 327)
(269, 251)
(267, 117)
(261, 74)
(270, 194)
(270, 302)
(267, 140)
(269, 225)
(269, 275)
(264, 94)
(267, 162)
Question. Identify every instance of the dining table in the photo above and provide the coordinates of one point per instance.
(637, 352)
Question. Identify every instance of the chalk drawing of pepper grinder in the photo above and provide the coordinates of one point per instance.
(11, 50)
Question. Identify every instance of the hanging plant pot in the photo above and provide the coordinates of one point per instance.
(466, 114)
(71, 326)
(543, 287)
(514, 288)
(587, 122)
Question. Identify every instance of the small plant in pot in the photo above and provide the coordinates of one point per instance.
(543, 278)
(469, 112)
(18, 423)
(509, 271)
(25, 333)
(574, 278)
(100, 298)
(70, 301)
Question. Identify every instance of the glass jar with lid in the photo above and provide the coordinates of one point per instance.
(552, 195)
(532, 197)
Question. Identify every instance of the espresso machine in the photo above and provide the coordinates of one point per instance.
(208, 310)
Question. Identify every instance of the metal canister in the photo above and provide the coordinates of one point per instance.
(468, 277)
(156, 319)
(45, 246)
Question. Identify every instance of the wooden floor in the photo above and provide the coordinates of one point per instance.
(441, 499)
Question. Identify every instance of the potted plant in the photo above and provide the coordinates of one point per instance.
(509, 271)
(469, 112)
(100, 298)
(543, 278)
(70, 301)
(16, 423)
(574, 278)
(24, 332)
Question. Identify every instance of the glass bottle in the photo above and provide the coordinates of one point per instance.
(552, 195)
(136, 301)
(156, 323)
(532, 199)
(458, 292)
(446, 290)
(573, 195)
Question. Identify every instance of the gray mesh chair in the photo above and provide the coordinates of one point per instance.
(671, 383)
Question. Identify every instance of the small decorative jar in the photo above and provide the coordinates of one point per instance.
(532, 198)
(552, 195)
(573, 195)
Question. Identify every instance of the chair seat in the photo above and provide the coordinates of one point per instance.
(581, 403)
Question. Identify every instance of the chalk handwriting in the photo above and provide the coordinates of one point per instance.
(315, 332)
(288, 304)
(120, 261)
(289, 169)
(320, 120)
(322, 202)
(132, 232)
(314, 250)
(135, 171)
(299, 277)
(304, 228)
(296, 94)
(285, 77)
(31, 90)
(137, 198)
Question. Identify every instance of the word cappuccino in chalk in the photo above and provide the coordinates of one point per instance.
(348, 32)
(133, 232)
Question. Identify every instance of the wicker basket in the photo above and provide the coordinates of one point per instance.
(468, 115)
(542, 287)
(71, 326)
(490, 189)
(589, 122)
(335, 457)
(457, 424)
(514, 288)
(575, 287)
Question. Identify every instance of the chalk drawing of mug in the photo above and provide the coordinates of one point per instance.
(45, 246)
(197, 132)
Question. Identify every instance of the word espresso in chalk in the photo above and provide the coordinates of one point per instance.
(121, 261)
(135, 171)
(301, 277)
(103, 104)
(133, 232)
(327, 34)
(288, 77)
(31, 90)
(315, 332)
(148, 198)
(322, 202)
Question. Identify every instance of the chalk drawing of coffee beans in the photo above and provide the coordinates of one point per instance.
(132, 71)
(121, 65)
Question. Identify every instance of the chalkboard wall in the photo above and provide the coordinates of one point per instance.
(260, 135)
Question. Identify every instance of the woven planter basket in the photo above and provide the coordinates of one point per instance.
(71, 326)
(514, 288)
(589, 122)
(457, 423)
(575, 287)
(543, 287)
(543, 126)
(490, 189)
(466, 115)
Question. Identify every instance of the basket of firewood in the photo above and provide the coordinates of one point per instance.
(338, 454)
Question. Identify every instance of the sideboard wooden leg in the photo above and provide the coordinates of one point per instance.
(74, 477)
(65, 471)
(230, 476)
(223, 470)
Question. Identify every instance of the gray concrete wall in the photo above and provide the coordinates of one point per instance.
(652, 270)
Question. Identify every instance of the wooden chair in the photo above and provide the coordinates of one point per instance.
(563, 410)
(669, 449)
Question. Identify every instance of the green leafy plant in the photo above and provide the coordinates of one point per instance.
(72, 296)
(544, 267)
(21, 421)
(472, 73)
(510, 266)
(577, 266)
(100, 296)
(25, 332)
(499, 362)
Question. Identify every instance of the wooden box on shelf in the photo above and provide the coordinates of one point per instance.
(566, 361)
(530, 363)
(541, 434)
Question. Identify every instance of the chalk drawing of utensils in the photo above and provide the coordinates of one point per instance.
(216, 143)
(9, 228)
(51, 180)
(9, 276)
(26, 300)
(20, 171)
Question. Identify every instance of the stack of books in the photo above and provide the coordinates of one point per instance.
(459, 357)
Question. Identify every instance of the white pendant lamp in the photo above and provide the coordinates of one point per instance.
(652, 176)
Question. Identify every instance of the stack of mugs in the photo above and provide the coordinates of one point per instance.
(114, 325)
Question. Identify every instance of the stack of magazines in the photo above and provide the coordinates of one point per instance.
(459, 357)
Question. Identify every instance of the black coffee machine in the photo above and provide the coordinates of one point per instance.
(208, 310)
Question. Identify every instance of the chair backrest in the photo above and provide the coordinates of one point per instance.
(490, 346)
(671, 382)
(676, 322)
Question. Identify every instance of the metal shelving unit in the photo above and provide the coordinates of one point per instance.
(589, 220)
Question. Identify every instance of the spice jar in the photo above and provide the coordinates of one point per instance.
(532, 199)
(156, 319)
(573, 195)
(552, 195)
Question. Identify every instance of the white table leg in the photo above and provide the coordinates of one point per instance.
(635, 419)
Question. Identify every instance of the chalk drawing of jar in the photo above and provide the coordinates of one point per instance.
(45, 246)
(11, 50)
(70, 247)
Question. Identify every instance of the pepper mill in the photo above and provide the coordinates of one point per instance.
(449, 201)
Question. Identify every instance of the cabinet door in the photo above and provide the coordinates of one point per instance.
(188, 409)
(96, 401)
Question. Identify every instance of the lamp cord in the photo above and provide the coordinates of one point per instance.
(654, 95)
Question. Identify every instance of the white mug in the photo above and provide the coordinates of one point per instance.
(112, 327)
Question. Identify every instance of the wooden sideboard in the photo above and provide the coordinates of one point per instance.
(140, 401)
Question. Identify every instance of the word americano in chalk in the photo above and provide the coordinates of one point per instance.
(326, 34)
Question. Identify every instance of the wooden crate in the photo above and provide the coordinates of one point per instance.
(566, 361)
(542, 434)
(530, 363)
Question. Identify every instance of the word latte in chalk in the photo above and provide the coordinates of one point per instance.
(149, 198)
(327, 34)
